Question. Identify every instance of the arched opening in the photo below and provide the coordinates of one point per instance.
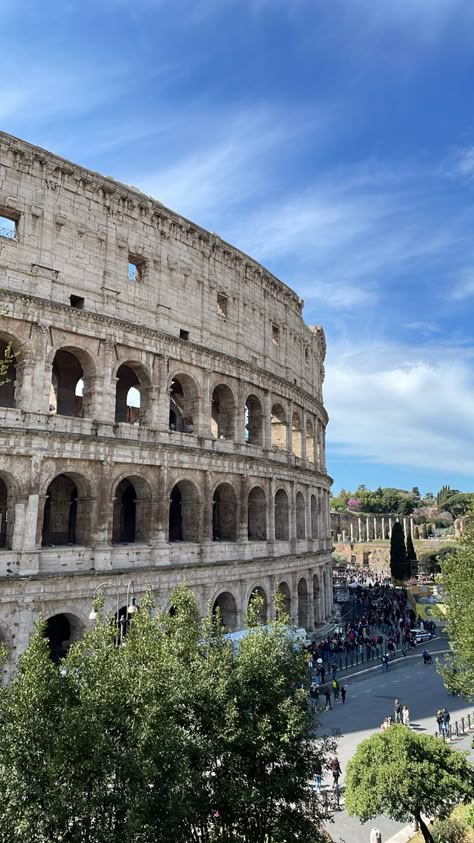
(296, 435)
(309, 441)
(257, 515)
(222, 413)
(8, 379)
(253, 421)
(67, 385)
(60, 512)
(259, 594)
(224, 514)
(61, 631)
(124, 515)
(279, 427)
(184, 513)
(300, 516)
(184, 404)
(316, 600)
(282, 521)
(5, 527)
(227, 608)
(314, 517)
(129, 395)
(285, 592)
(303, 603)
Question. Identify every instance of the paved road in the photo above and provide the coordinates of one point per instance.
(369, 699)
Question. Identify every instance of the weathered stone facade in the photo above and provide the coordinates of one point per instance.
(163, 418)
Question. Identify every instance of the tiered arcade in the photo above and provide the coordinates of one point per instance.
(163, 416)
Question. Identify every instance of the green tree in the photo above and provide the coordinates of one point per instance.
(458, 504)
(457, 571)
(399, 565)
(404, 774)
(171, 736)
(411, 553)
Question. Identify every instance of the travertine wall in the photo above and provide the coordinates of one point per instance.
(212, 468)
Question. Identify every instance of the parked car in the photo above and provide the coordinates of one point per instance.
(421, 635)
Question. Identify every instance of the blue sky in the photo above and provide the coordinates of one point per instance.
(332, 141)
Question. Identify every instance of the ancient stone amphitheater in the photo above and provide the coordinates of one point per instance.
(162, 419)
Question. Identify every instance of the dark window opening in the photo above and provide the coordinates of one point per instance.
(275, 335)
(77, 301)
(183, 335)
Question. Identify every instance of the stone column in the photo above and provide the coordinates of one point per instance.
(383, 527)
(105, 401)
(405, 527)
(25, 529)
(390, 528)
(310, 607)
(242, 509)
(240, 413)
(359, 528)
(267, 420)
(271, 510)
(161, 412)
(412, 526)
(367, 529)
(303, 434)
(202, 426)
(292, 507)
(289, 443)
(352, 532)
(206, 508)
(375, 528)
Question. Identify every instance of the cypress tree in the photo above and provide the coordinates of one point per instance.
(411, 554)
(399, 566)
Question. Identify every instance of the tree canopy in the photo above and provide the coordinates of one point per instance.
(404, 774)
(170, 736)
(457, 570)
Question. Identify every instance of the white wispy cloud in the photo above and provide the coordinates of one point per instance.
(405, 407)
(463, 288)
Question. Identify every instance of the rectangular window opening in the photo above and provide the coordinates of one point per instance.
(136, 268)
(8, 226)
(306, 355)
(275, 335)
(76, 301)
(222, 302)
(183, 335)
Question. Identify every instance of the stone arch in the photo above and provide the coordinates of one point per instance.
(303, 603)
(279, 427)
(184, 512)
(132, 393)
(226, 604)
(300, 516)
(8, 388)
(259, 591)
(284, 590)
(184, 403)
(253, 420)
(62, 630)
(257, 515)
(282, 516)
(317, 614)
(72, 375)
(67, 511)
(314, 517)
(309, 441)
(222, 412)
(296, 435)
(8, 488)
(131, 496)
(224, 513)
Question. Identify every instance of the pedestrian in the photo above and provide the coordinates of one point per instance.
(385, 661)
(318, 771)
(343, 694)
(334, 670)
(397, 710)
(446, 721)
(439, 721)
(406, 716)
(327, 695)
(335, 689)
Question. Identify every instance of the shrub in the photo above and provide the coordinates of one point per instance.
(449, 831)
(470, 815)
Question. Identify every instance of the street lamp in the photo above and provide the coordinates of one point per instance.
(130, 608)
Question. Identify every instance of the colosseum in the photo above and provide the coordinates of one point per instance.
(162, 419)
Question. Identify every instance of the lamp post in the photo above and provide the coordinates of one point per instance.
(130, 607)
